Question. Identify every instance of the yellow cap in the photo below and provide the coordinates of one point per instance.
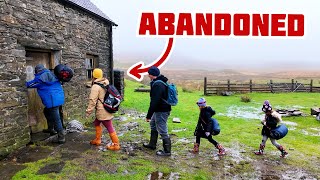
(97, 73)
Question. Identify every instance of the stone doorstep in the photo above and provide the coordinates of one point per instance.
(40, 136)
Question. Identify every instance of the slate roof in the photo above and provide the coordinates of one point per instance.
(88, 6)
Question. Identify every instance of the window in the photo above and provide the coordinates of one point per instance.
(91, 62)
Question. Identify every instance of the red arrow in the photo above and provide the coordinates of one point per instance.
(137, 70)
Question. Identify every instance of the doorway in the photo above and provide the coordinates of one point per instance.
(36, 118)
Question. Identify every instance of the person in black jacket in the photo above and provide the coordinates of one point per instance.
(159, 112)
(204, 127)
(269, 122)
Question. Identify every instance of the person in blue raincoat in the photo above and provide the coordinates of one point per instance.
(52, 97)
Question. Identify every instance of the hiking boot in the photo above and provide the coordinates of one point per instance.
(61, 138)
(260, 151)
(115, 142)
(195, 149)
(97, 140)
(222, 151)
(153, 141)
(283, 152)
(114, 147)
(166, 148)
(51, 131)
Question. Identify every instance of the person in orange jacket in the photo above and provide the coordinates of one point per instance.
(96, 98)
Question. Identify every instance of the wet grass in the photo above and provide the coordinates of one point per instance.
(242, 130)
(240, 136)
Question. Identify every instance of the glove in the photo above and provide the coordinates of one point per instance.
(207, 134)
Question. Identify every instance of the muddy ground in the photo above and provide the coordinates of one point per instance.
(239, 163)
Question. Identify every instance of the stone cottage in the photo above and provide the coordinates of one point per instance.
(72, 32)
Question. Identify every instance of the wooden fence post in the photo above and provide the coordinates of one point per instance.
(250, 85)
(228, 84)
(311, 84)
(205, 86)
(292, 85)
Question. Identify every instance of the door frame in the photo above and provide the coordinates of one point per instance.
(51, 60)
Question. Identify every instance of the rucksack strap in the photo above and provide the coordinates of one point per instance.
(103, 87)
(160, 82)
(166, 89)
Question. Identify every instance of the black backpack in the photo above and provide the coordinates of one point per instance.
(112, 98)
(63, 72)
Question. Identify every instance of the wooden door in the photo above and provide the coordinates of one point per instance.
(37, 120)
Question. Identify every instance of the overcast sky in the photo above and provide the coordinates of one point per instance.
(225, 52)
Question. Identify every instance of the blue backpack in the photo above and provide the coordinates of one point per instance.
(215, 127)
(172, 99)
(279, 132)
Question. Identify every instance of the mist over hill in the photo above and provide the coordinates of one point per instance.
(185, 68)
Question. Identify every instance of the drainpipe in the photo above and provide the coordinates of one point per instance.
(111, 56)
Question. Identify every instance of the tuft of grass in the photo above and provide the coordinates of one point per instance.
(186, 90)
(245, 98)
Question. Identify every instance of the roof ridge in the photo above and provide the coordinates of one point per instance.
(89, 6)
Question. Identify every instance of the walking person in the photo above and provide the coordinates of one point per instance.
(205, 127)
(96, 99)
(52, 97)
(269, 122)
(158, 113)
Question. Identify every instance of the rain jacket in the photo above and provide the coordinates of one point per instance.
(158, 93)
(48, 88)
(96, 98)
(204, 122)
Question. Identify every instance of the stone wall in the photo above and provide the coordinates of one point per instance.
(119, 81)
(50, 25)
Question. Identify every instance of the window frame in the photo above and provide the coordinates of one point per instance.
(91, 62)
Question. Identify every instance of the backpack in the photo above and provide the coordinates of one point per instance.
(279, 132)
(172, 99)
(112, 98)
(63, 72)
(215, 127)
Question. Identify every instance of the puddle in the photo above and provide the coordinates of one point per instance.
(315, 129)
(184, 141)
(130, 126)
(51, 168)
(123, 118)
(237, 153)
(309, 134)
(296, 107)
(243, 112)
(131, 148)
(135, 114)
(178, 130)
(297, 174)
(159, 175)
(269, 177)
(290, 123)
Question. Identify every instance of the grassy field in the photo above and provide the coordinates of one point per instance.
(304, 149)
(240, 135)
